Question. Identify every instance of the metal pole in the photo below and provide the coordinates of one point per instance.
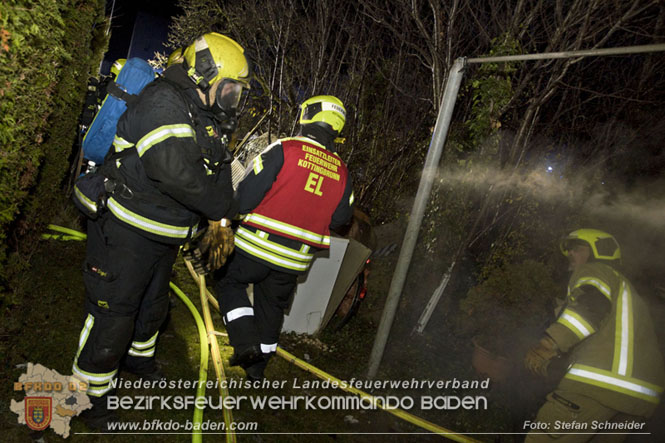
(570, 54)
(422, 197)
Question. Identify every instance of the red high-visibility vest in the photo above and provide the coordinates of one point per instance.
(305, 194)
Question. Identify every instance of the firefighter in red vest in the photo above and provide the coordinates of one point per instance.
(292, 195)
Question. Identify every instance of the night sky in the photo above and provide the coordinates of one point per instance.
(138, 28)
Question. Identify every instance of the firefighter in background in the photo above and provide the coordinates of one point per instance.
(169, 170)
(90, 104)
(616, 373)
(116, 67)
(175, 57)
(96, 94)
(292, 195)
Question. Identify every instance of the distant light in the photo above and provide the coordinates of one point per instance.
(550, 169)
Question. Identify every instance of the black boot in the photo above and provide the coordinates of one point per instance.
(147, 369)
(246, 357)
(255, 371)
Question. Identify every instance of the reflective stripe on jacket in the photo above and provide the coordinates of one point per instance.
(263, 246)
(173, 168)
(617, 360)
(305, 194)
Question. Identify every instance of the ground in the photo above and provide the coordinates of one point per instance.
(45, 328)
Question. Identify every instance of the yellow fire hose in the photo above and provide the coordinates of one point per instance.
(68, 231)
(371, 399)
(197, 436)
(214, 349)
(207, 297)
(63, 237)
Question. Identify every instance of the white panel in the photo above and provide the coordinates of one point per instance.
(314, 290)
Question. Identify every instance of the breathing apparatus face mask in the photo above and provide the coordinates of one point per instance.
(225, 106)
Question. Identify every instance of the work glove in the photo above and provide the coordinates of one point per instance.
(538, 358)
(217, 243)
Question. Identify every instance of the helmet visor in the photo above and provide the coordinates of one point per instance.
(229, 93)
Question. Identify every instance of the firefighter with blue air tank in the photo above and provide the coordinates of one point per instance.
(168, 172)
(615, 378)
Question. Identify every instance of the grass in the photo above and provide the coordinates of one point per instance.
(45, 329)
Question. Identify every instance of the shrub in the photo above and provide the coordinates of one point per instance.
(510, 309)
(46, 57)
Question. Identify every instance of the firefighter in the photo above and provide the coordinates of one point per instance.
(90, 104)
(117, 66)
(616, 373)
(102, 89)
(168, 172)
(175, 57)
(96, 93)
(292, 195)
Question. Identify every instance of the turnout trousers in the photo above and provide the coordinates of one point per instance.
(261, 323)
(126, 278)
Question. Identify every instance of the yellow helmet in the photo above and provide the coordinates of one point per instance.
(117, 66)
(213, 57)
(323, 108)
(175, 57)
(603, 245)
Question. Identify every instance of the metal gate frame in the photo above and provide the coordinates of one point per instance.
(429, 173)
